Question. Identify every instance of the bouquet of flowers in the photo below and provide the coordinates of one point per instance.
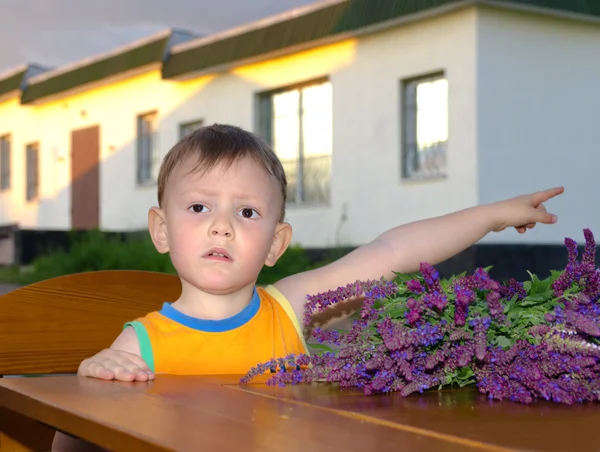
(515, 341)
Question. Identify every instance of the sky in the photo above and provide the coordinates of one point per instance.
(58, 32)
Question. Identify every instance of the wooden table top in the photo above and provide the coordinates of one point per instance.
(464, 413)
(218, 414)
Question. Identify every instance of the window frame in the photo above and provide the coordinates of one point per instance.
(183, 125)
(409, 127)
(264, 128)
(6, 173)
(32, 194)
(147, 175)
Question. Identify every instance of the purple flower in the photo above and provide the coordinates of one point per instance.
(513, 288)
(430, 274)
(589, 252)
(464, 297)
(413, 316)
(582, 274)
(582, 324)
(373, 289)
(480, 326)
(415, 286)
(493, 301)
(328, 336)
(436, 299)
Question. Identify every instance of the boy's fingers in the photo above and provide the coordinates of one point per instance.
(105, 374)
(134, 371)
(123, 374)
(546, 218)
(96, 369)
(116, 365)
(138, 361)
(545, 195)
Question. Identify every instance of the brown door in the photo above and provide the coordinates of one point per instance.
(85, 177)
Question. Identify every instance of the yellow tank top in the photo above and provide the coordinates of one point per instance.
(174, 343)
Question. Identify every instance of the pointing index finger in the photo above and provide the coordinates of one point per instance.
(545, 195)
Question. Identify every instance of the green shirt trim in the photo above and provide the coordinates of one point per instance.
(145, 344)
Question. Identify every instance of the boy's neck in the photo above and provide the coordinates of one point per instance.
(210, 306)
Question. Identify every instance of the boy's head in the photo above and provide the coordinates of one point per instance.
(221, 194)
(216, 145)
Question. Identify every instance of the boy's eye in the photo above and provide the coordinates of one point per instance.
(248, 213)
(198, 208)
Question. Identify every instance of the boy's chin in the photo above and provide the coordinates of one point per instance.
(217, 286)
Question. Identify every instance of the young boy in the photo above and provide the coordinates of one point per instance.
(221, 217)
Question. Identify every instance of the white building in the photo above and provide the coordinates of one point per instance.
(408, 110)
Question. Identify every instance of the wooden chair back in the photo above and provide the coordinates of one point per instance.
(51, 326)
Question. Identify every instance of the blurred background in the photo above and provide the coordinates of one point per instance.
(382, 112)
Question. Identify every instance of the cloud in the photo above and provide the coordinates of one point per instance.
(58, 32)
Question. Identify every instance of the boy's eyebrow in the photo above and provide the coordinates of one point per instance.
(209, 192)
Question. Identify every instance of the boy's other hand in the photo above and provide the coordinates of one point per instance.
(523, 212)
(110, 364)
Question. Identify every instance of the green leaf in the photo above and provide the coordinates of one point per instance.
(504, 342)
(397, 312)
(531, 300)
(555, 274)
(321, 347)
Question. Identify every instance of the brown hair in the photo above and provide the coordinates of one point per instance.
(221, 144)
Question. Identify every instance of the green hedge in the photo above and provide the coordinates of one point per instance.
(98, 251)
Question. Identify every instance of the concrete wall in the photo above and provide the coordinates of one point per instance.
(537, 117)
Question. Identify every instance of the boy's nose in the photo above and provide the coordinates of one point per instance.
(216, 231)
(221, 227)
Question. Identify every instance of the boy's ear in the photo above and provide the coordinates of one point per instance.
(157, 227)
(281, 240)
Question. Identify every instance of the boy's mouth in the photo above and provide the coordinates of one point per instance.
(218, 254)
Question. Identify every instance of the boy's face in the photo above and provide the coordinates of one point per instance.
(221, 227)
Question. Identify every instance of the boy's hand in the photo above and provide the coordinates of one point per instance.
(110, 364)
(523, 212)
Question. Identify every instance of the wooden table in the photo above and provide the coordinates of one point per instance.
(218, 414)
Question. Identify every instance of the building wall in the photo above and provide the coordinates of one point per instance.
(537, 117)
(114, 107)
(368, 131)
(19, 122)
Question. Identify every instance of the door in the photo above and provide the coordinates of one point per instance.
(85, 178)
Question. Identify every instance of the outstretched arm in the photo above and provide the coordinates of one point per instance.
(434, 240)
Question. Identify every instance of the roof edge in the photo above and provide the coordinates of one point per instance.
(507, 5)
(105, 55)
(255, 25)
(27, 68)
(4, 97)
(79, 89)
(14, 71)
(539, 10)
(370, 29)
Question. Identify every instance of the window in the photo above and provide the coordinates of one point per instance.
(425, 116)
(297, 122)
(32, 180)
(5, 145)
(147, 148)
(189, 127)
